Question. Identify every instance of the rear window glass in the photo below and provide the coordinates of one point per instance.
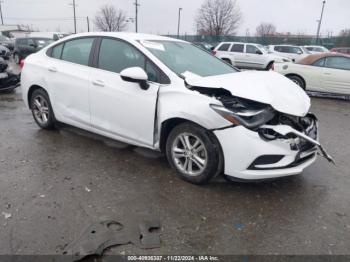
(57, 51)
(78, 51)
(237, 48)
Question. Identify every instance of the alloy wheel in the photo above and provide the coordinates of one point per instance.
(189, 154)
(41, 110)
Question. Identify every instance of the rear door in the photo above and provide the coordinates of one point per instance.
(224, 50)
(120, 109)
(254, 57)
(238, 52)
(336, 75)
(68, 77)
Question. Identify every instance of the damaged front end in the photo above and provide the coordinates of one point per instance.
(300, 132)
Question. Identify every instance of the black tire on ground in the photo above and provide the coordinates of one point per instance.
(214, 157)
(298, 80)
(269, 66)
(41, 96)
(227, 61)
(17, 58)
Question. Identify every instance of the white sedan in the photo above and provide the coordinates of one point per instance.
(327, 72)
(168, 95)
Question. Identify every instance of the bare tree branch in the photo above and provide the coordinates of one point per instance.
(110, 19)
(218, 17)
(266, 29)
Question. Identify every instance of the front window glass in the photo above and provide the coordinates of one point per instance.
(183, 57)
(252, 49)
(77, 51)
(115, 56)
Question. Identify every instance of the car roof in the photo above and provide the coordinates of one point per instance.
(309, 60)
(125, 36)
(243, 43)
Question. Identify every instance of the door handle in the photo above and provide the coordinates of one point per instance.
(53, 69)
(327, 74)
(98, 83)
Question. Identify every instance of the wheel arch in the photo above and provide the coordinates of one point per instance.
(31, 91)
(297, 75)
(168, 125)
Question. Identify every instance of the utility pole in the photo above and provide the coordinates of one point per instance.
(88, 23)
(136, 15)
(178, 23)
(75, 18)
(2, 19)
(320, 22)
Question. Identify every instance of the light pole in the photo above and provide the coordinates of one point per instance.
(136, 15)
(319, 23)
(75, 18)
(2, 19)
(178, 23)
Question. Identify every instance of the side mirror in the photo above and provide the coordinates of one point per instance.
(300, 52)
(258, 52)
(135, 75)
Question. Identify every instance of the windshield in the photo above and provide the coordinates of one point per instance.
(183, 57)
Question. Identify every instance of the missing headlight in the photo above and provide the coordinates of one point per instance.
(244, 112)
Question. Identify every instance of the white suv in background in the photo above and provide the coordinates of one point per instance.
(247, 55)
(295, 53)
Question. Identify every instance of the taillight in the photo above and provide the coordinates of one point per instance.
(21, 64)
(213, 52)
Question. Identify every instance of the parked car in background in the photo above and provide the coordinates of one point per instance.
(295, 53)
(316, 49)
(168, 95)
(7, 42)
(342, 50)
(51, 35)
(326, 72)
(247, 55)
(28, 45)
(204, 46)
(8, 80)
(5, 53)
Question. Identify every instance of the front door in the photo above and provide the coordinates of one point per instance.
(120, 109)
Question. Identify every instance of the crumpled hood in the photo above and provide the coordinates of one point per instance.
(265, 87)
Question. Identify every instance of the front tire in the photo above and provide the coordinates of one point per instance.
(42, 110)
(194, 153)
(297, 80)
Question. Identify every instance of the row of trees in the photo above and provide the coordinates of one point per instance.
(214, 18)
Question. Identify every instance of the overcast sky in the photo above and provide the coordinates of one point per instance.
(160, 16)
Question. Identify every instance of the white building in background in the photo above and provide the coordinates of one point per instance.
(13, 30)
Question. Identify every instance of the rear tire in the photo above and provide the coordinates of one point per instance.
(297, 80)
(194, 153)
(269, 66)
(42, 110)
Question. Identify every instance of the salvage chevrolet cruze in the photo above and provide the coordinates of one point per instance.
(171, 96)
